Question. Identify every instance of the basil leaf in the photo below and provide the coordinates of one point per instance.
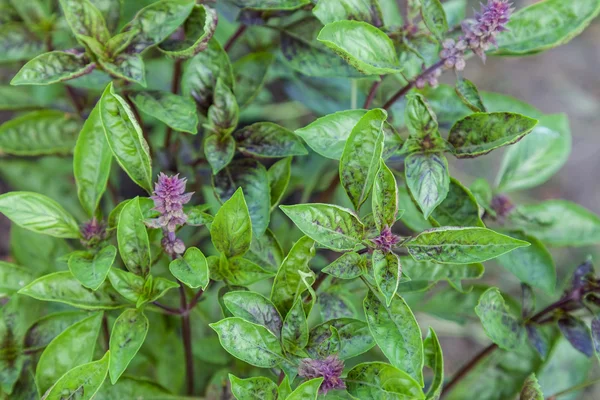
(500, 325)
(387, 272)
(219, 151)
(198, 29)
(328, 11)
(349, 265)
(91, 269)
(254, 308)
(428, 180)
(385, 197)
(279, 178)
(84, 380)
(253, 388)
(374, 380)
(132, 237)
(231, 230)
(127, 336)
(130, 67)
(85, 19)
(434, 359)
(266, 139)
(434, 18)
(467, 91)
(175, 111)
(191, 269)
(18, 43)
(250, 73)
(53, 67)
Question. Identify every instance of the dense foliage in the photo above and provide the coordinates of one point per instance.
(199, 206)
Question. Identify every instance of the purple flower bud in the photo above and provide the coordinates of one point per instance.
(480, 33)
(172, 245)
(330, 369)
(386, 240)
(92, 232)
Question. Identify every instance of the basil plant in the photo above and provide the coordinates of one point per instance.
(252, 199)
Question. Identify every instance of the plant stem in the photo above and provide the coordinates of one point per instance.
(239, 32)
(468, 367)
(168, 309)
(575, 388)
(400, 93)
(372, 92)
(186, 332)
(105, 332)
(195, 300)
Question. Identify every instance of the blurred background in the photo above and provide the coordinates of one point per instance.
(562, 80)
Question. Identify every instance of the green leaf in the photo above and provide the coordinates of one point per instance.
(428, 180)
(201, 73)
(231, 230)
(349, 266)
(53, 67)
(13, 278)
(44, 330)
(241, 272)
(73, 347)
(397, 334)
(360, 160)
(137, 290)
(434, 359)
(266, 251)
(111, 11)
(531, 389)
(420, 119)
(91, 162)
(250, 73)
(387, 272)
(279, 178)
(130, 388)
(363, 46)
(18, 43)
(39, 133)
(82, 382)
(308, 390)
(545, 25)
(132, 236)
(156, 22)
(191, 269)
(329, 225)
(336, 303)
(354, 338)
(434, 18)
(62, 287)
(558, 223)
(433, 272)
(252, 177)
(377, 380)
(459, 208)
(500, 325)
(175, 111)
(385, 197)
(255, 308)
(455, 11)
(456, 245)
(538, 156)
(125, 138)
(249, 342)
(469, 95)
(480, 133)
(130, 67)
(38, 213)
(224, 113)
(85, 19)
(328, 11)
(127, 336)
(198, 29)
(288, 284)
(91, 269)
(294, 332)
(219, 151)
(266, 139)
(253, 388)
(328, 135)
(532, 265)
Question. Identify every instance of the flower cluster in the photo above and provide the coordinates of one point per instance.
(330, 369)
(479, 34)
(431, 79)
(92, 232)
(169, 197)
(386, 240)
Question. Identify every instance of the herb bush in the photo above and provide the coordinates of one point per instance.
(203, 250)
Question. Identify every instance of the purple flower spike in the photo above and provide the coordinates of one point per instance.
(480, 34)
(330, 369)
(386, 240)
(169, 198)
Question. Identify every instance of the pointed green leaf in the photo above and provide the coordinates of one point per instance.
(13, 278)
(198, 29)
(125, 138)
(224, 113)
(242, 272)
(18, 43)
(434, 359)
(385, 197)
(387, 272)
(360, 160)
(91, 269)
(294, 333)
(53, 67)
(91, 162)
(354, 338)
(349, 266)
(328, 11)
(397, 334)
(132, 236)
(428, 180)
(250, 73)
(85, 19)
(363, 46)
(219, 151)
(177, 112)
(308, 390)
(249, 342)
(231, 230)
(63, 287)
(254, 308)
(434, 18)
(377, 380)
(538, 156)
(459, 208)
(266, 251)
(469, 95)
(266, 139)
(271, 4)
(253, 388)
(433, 272)
(331, 226)
(504, 328)
(39, 133)
(127, 336)
(191, 269)
(82, 382)
(531, 389)
(480, 133)
(71, 348)
(38, 213)
(279, 178)
(455, 245)
(130, 67)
